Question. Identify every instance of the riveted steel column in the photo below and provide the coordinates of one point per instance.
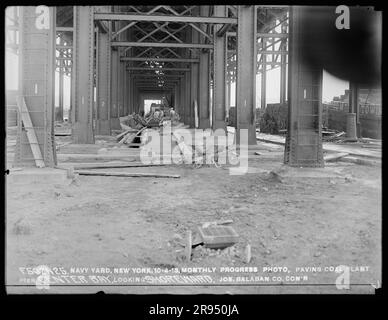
(246, 73)
(219, 68)
(59, 115)
(283, 67)
(103, 83)
(304, 135)
(36, 84)
(204, 82)
(114, 114)
(194, 73)
(182, 107)
(263, 99)
(176, 97)
(121, 88)
(188, 106)
(83, 46)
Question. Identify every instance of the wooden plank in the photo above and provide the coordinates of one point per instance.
(118, 165)
(125, 174)
(131, 135)
(31, 135)
(118, 137)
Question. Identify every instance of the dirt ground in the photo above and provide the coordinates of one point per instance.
(111, 222)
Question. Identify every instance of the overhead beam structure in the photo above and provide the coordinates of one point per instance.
(160, 45)
(186, 60)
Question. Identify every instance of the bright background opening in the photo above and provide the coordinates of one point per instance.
(147, 105)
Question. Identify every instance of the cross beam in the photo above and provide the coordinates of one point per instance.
(160, 69)
(163, 18)
(161, 45)
(160, 59)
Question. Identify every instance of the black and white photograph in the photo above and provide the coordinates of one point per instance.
(193, 149)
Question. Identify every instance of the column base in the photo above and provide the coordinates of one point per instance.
(103, 127)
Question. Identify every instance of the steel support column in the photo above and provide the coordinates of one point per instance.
(176, 96)
(204, 82)
(121, 88)
(246, 73)
(283, 66)
(304, 135)
(83, 52)
(114, 113)
(59, 116)
(187, 104)
(182, 94)
(194, 73)
(219, 73)
(36, 88)
(103, 84)
(263, 97)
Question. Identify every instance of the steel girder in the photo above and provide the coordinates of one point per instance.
(246, 74)
(83, 71)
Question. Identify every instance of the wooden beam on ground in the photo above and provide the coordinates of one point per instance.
(117, 165)
(334, 157)
(125, 174)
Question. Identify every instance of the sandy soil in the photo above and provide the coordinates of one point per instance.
(140, 222)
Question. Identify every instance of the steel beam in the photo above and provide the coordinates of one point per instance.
(304, 135)
(163, 18)
(186, 60)
(83, 46)
(160, 44)
(159, 69)
(246, 74)
(136, 75)
(219, 72)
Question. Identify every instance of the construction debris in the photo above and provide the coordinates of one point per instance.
(218, 236)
